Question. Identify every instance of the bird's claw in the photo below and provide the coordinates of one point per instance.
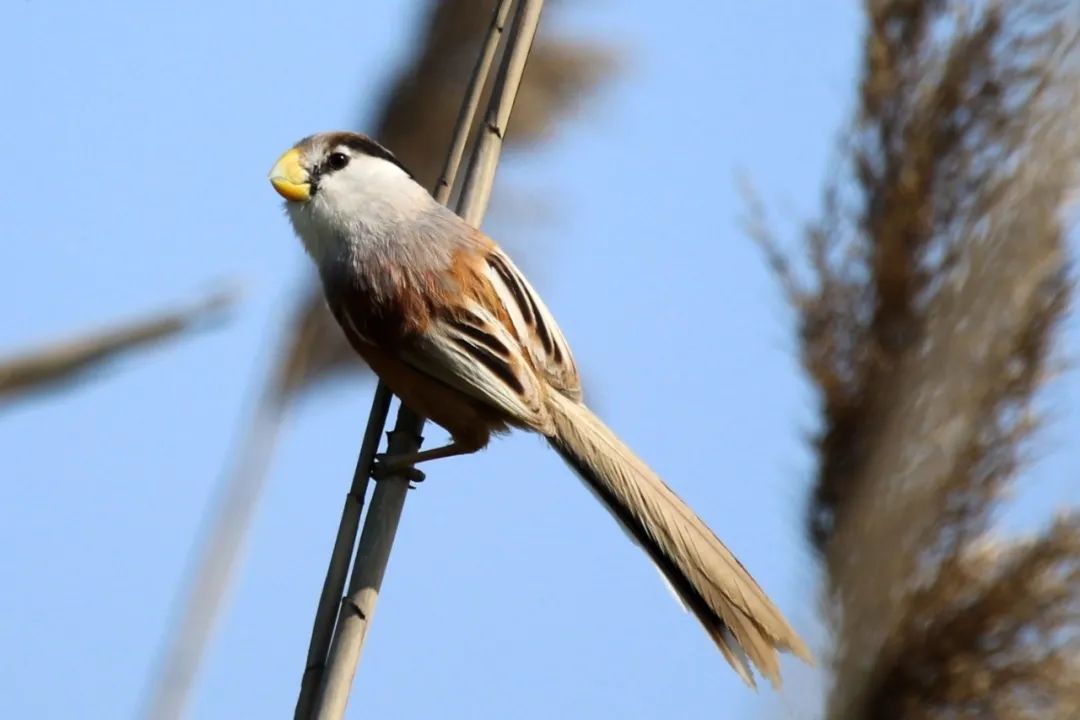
(384, 467)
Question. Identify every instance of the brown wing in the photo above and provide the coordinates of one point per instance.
(469, 349)
(476, 326)
(494, 339)
(532, 323)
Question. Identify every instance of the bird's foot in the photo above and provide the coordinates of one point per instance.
(387, 465)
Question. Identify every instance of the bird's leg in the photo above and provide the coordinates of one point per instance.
(385, 464)
(449, 450)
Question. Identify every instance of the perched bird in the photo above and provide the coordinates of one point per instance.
(444, 317)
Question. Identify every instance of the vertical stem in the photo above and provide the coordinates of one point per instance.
(372, 556)
(334, 585)
(380, 526)
(471, 102)
(480, 177)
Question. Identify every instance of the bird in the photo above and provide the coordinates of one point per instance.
(446, 319)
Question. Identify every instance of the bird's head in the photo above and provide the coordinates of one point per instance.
(342, 186)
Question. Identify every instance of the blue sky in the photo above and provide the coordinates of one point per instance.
(139, 138)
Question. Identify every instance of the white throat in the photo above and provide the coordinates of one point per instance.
(359, 208)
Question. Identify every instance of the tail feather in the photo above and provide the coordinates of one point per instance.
(710, 581)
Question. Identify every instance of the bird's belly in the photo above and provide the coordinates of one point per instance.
(469, 421)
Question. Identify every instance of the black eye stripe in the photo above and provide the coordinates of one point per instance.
(367, 146)
(354, 144)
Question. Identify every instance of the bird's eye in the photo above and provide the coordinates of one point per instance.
(337, 160)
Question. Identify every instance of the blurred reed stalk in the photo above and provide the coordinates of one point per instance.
(168, 696)
(49, 367)
(380, 526)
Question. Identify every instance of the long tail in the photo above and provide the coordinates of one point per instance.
(711, 583)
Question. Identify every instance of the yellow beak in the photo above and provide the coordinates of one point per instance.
(289, 177)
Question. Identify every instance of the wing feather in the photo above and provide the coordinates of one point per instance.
(476, 326)
(533, 324)
(471, 351)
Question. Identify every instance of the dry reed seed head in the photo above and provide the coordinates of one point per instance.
(932, 131)
(965, 135)
(995, 634)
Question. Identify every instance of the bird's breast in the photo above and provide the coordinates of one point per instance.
(377, 304)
